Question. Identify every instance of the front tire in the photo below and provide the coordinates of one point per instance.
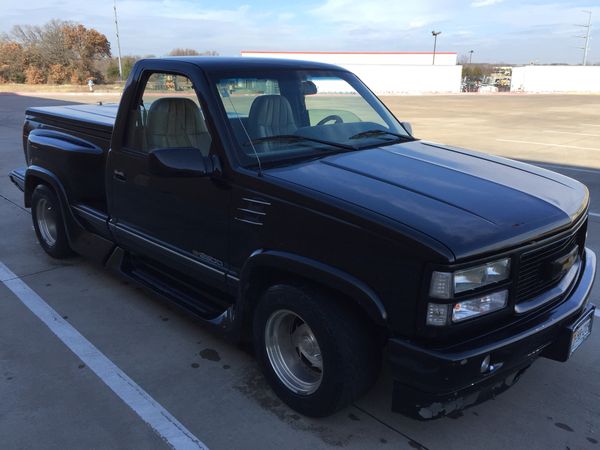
(48, 222)
(316, 352)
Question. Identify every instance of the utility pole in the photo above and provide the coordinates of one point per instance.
(118, 42)
(470, 56)
(588, 28)
(435, 35)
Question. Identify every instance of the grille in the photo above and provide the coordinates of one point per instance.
(533, 279)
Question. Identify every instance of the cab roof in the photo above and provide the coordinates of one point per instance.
(218, 63)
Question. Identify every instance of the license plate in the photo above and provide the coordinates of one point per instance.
(581, 333)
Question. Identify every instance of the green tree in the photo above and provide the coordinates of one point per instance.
(112, 70)
(476, 71)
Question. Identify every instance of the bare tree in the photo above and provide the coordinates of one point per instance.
(183, 52)
(192, 52)
(45, 44)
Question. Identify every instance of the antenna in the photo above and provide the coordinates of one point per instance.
(260, 171)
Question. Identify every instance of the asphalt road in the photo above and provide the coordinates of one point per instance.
(49, 397)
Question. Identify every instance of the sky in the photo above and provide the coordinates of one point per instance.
(511, 31)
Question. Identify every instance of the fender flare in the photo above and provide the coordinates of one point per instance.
(49, 178)
(321, 273)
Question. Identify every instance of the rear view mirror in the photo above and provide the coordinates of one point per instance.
(308, 88)
(182, 162)
(408, 127)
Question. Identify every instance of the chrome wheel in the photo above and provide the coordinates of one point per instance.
(46, 221)
(293, 352)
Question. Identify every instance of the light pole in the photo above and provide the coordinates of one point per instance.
(470, 56)
(118, 42)
(435, 35)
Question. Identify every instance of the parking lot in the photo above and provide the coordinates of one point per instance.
(51, 399)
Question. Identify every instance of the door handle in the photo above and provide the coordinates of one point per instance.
(119, 175)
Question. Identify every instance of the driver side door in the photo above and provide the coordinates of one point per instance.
(178, 221)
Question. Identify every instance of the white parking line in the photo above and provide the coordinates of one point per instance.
(549, 145)
(593, 214)
(597, 313)
(149, 410)
(571, 132)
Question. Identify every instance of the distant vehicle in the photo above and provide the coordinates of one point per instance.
(503, 84)
(469, 86)
(319, 228)
(487, 88)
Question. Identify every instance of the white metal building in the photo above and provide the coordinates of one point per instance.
(389, 72)
(555, 79)
(365, 58)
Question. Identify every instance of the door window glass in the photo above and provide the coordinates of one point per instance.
(168, 116)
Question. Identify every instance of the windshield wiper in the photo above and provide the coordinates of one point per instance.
(295, 137)
(373, 133)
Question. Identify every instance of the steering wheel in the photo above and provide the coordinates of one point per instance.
(332, 117)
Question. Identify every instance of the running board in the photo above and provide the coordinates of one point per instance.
(205, 305)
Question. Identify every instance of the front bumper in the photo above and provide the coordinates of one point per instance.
(430, 383)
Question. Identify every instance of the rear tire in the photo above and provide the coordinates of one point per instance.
(316, 352)
(49, 223)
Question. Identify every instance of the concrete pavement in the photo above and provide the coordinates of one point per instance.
(214, 388)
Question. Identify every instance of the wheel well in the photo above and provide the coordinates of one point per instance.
(261, 278)
(30, 184)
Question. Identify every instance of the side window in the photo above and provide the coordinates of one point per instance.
(168, 115)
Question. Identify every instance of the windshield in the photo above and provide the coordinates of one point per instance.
(283, 115)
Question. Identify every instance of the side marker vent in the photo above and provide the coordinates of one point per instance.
(252, 211)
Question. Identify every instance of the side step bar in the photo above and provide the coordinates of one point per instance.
(203, 304)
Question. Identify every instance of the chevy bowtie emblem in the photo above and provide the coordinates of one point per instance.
(560, 266)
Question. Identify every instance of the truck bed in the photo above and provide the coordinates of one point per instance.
(80, 171)
(92, 120)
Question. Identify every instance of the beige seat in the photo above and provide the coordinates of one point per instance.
(176, 122)
(271, 115)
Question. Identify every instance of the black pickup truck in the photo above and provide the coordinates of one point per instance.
(282, 202)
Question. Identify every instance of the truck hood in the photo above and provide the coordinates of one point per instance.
(471, 202)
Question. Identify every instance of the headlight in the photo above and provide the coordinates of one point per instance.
(446, 284)
(441, 314)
